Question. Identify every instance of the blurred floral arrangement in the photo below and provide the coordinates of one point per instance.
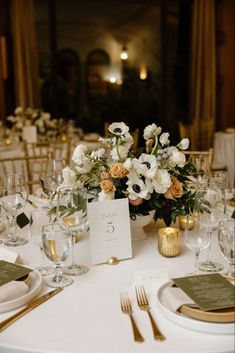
(36, 117)
(156, 177)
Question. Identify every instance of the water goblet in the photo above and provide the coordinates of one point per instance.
(57, 242)
(72, 214)
(13, 198)
(196, 238)
(226, 240)
(39, 218)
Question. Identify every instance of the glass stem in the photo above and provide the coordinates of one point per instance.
(73, 249)
(209, 248)
(196, 262)
(14, 226)
(58, 273)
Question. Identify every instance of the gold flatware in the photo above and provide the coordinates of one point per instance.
(127, 309)
(30, 306)
(143, 304)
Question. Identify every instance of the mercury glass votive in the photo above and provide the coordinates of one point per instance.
(169, 241)
(186, 220)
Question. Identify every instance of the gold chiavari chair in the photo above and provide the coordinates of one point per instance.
(51, 149)
(197, 157)
(31, 167)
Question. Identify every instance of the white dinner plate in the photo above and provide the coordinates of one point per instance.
(190, 323)
(35, 285)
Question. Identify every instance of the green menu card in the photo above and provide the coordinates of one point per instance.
(209, 291)
(10, 271)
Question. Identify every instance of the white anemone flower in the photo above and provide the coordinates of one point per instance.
(161, 181)
(147, 165)
(151, 131)
(118, 128)
(137, 188)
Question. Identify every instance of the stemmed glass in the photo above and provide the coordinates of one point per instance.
(226, 240)
(72, 214)
(196, 238)
(57, 243)
(38, 218)
(14, 195)
(214, 196)
(201, 163)
(52, 178)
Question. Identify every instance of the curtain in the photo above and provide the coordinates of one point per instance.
(203, 75)
(25, 56)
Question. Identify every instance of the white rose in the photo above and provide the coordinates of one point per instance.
(79, 153)
(151, 130)
(69, 177)
(161, 181)
(164, 139)
(102, 196)
(177, 158)
(121, 154)
(184, 143)
(128, 164)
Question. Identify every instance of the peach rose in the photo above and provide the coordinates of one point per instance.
(175, 190)
(107, 186)
(136, 202)
(105, 175)
(117, 170)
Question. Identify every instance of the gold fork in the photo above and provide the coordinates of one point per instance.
(127, 309)
(143, 304)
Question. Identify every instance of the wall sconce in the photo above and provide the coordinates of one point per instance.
(124, 53)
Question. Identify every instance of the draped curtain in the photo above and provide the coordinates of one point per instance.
(203, 75)
(25, 56)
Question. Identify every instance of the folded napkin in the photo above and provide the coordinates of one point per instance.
(13, 290)
(175, 298)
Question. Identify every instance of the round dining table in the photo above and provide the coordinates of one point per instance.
(86, 316)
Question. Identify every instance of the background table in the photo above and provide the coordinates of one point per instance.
(86, 317)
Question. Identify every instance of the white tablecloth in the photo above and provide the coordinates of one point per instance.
(86, 317)
(224, 153)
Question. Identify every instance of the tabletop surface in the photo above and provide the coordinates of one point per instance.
(86, 317)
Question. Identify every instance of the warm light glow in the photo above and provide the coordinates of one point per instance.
(124, 54)
(112, 79)
(143, 73)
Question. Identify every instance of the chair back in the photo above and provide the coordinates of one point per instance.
(198, 158)
(31, 167)
(51, 149)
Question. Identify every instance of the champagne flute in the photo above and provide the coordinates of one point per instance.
(57, 242)
(211, 220)
(72, 214)
(196, 238)
(226, 240)
(38, 218)
(14, 196)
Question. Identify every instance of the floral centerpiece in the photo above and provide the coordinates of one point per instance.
(156, 177)
(46, 126)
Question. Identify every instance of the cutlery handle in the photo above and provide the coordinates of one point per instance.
(137, 335)
(156, 332)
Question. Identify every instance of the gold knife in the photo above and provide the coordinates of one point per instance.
(30, 306)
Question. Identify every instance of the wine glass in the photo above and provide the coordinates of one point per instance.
(38, 218)
(211, 220)
(196, 238)
(202, 168)
(52, 178)
(14, 196)
(72, 214)
(57, 242)
(226, 240)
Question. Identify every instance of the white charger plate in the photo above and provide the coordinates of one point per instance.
(190, 323)
(35, 286)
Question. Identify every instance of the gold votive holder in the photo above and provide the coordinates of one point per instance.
(186, 221)
(169, 241)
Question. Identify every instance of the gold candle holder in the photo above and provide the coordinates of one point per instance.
(186, 220)
(169, 241)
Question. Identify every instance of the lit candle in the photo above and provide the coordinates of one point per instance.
(186, 221)
(168, 241)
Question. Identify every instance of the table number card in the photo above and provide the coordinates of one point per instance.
(109, 230)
